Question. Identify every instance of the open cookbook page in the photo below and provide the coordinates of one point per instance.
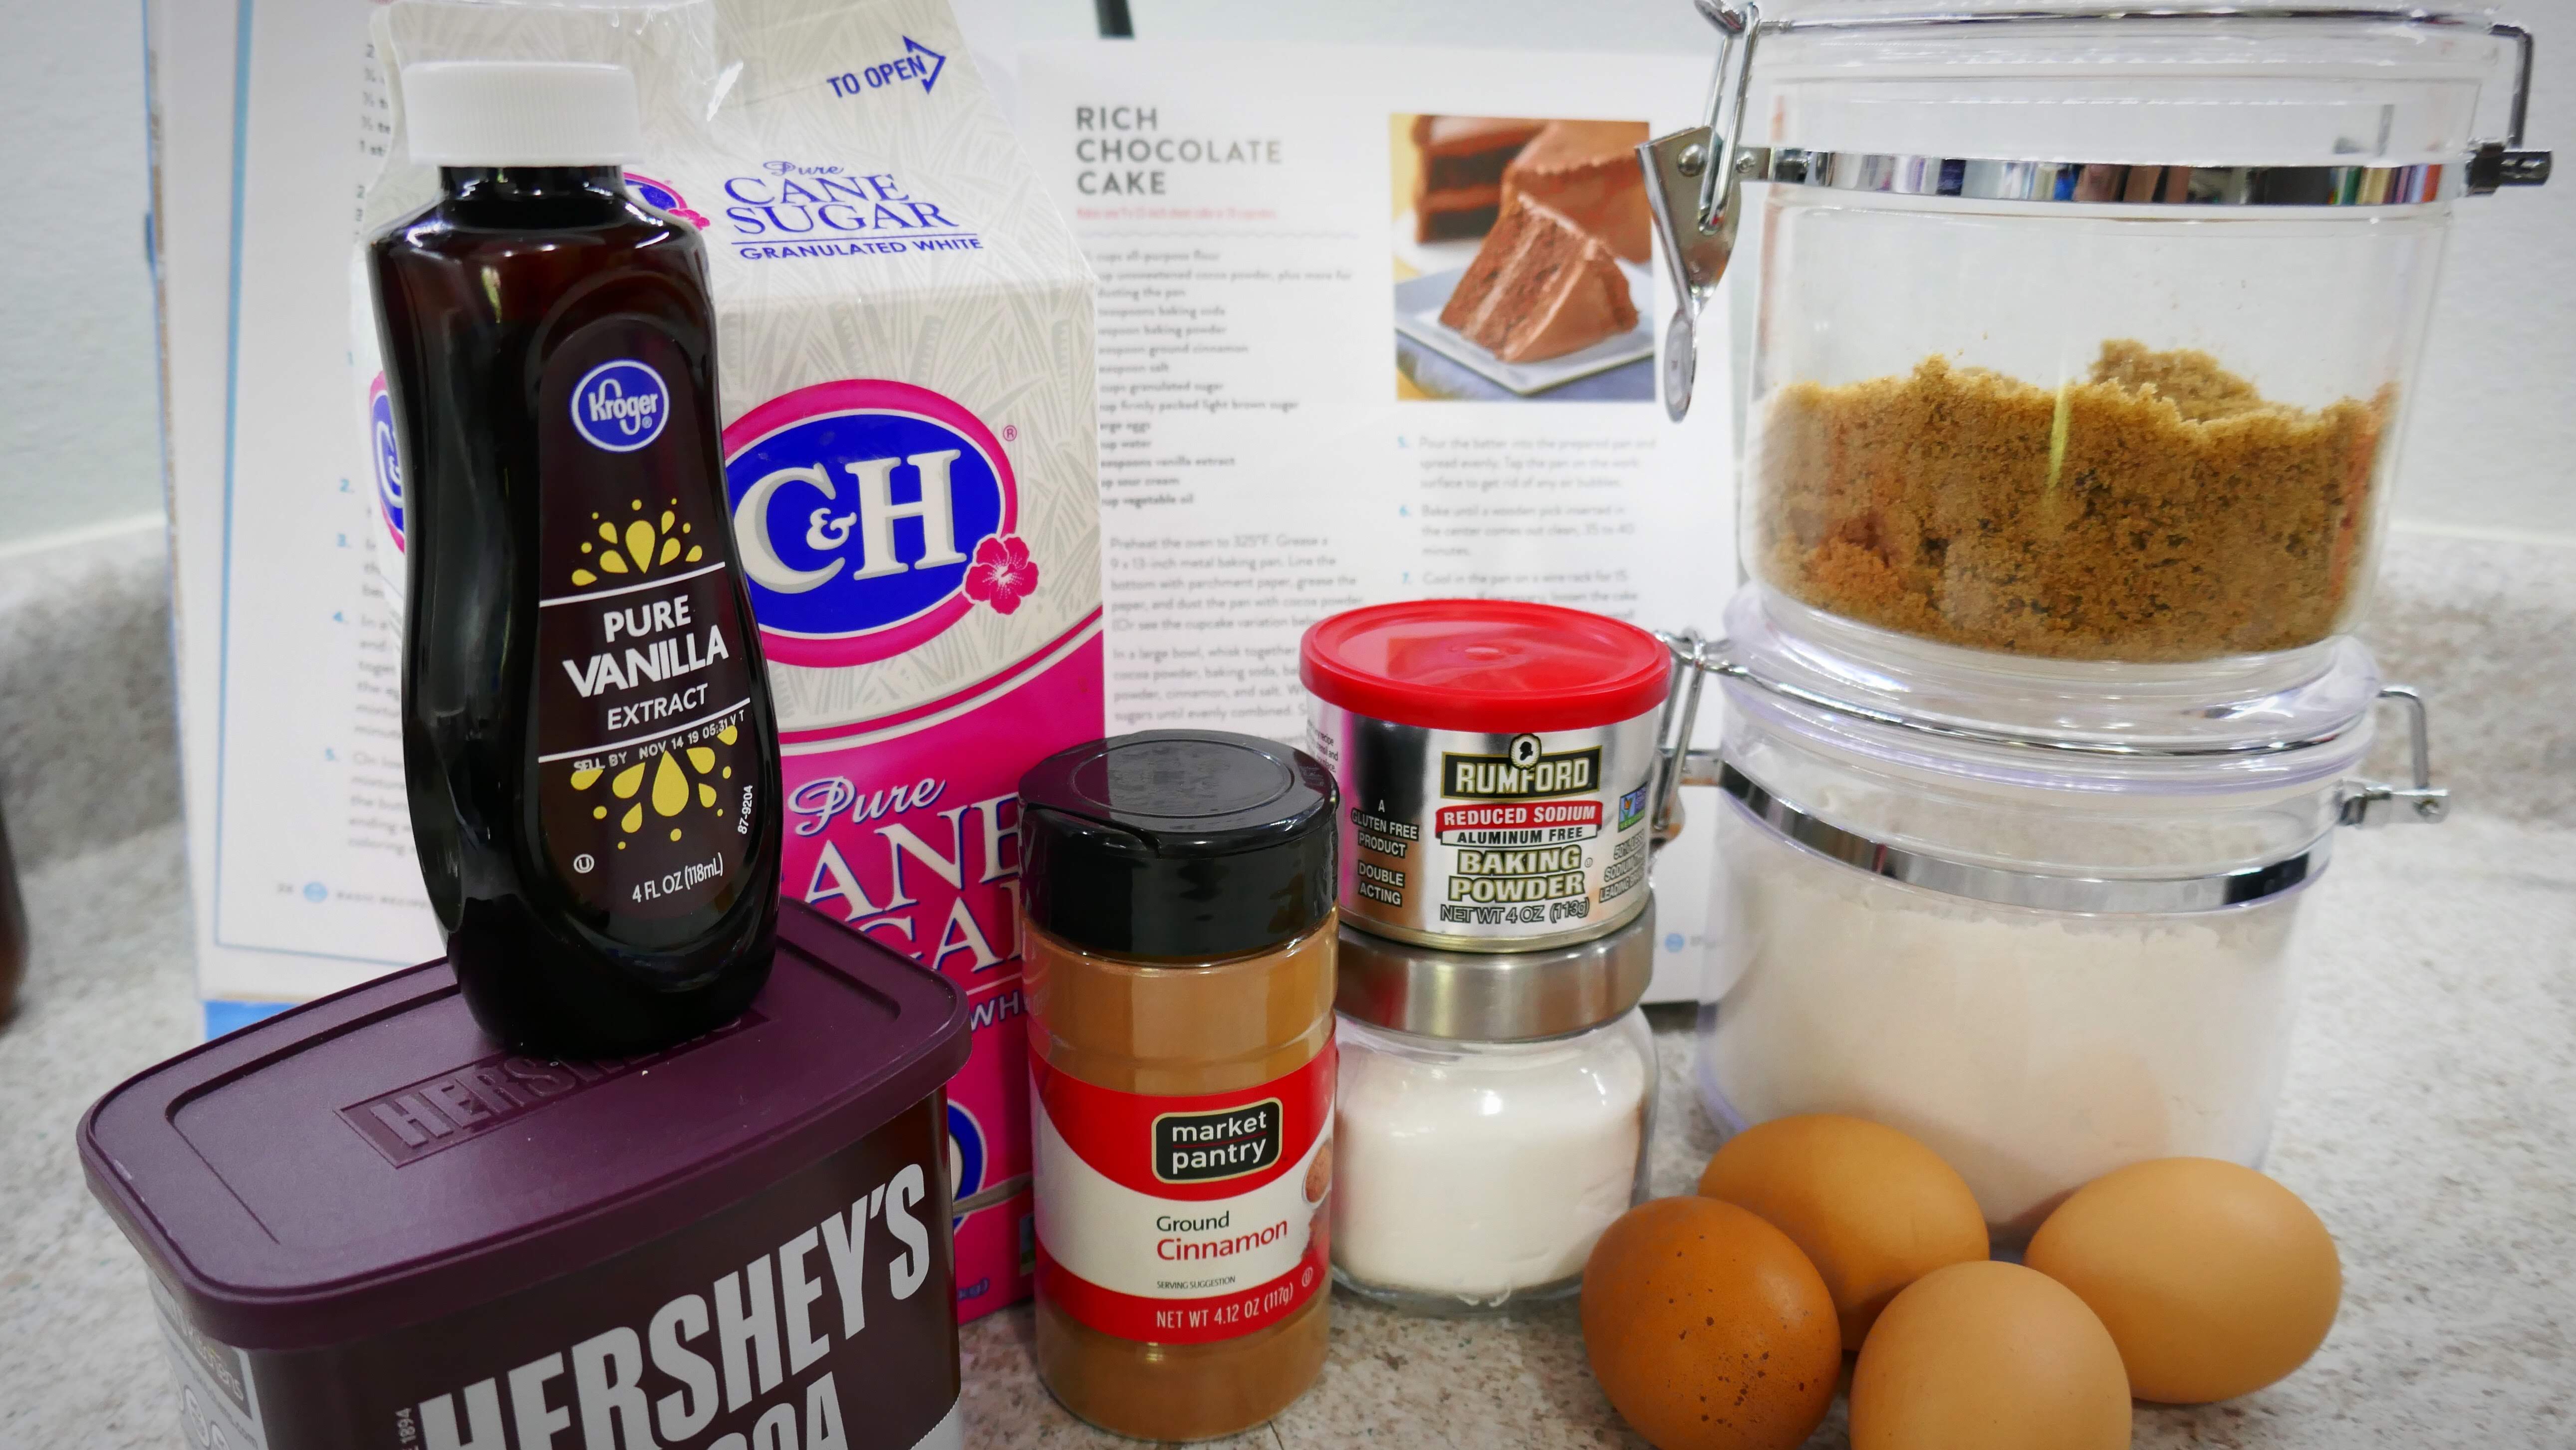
(270, 119)
(1377, 324)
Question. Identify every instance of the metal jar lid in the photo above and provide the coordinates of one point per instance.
(1495, 996)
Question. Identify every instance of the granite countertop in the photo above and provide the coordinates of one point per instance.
(2430, 1117)
(2430, 1113)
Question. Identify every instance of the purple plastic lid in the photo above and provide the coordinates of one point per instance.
(371, 1160)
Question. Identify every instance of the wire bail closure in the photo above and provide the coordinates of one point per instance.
(2369, 803)
(1693, 189)
(1694, 178)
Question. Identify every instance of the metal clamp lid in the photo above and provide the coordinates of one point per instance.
(1694, 177)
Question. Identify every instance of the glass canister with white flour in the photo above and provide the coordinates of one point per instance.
(1493, 1112)
(2047, 951)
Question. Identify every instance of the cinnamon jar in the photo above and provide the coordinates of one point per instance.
(1177, 898)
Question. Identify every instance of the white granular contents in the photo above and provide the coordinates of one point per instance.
(1480, 1176)
(2034, 1051)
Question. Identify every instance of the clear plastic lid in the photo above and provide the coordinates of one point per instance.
(1989, 722)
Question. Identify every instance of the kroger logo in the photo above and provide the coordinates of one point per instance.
(870, 517)
(621, 406)
(388, 462)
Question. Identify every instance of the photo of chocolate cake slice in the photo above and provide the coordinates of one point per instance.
(1588, 171)
(1541, 287)
(1458, 185)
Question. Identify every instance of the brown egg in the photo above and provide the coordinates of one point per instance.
(1873, 1209)
(1708, 1329)
(2213, 1279)
(1988, 1356)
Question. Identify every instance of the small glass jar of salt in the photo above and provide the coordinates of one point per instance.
(1491, 1117)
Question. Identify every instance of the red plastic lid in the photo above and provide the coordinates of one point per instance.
(1497, 665)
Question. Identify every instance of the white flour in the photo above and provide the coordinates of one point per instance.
(2033, 1051)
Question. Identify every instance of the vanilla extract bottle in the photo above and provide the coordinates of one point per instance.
(588, 741)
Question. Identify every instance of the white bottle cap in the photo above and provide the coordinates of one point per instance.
(521, 113)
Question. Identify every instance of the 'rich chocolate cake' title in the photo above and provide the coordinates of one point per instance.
(1125, 152)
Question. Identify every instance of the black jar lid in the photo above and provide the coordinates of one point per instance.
(1177, 845)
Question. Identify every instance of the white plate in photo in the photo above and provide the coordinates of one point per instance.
(1417, 316)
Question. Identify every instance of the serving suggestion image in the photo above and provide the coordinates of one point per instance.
(1521, 247)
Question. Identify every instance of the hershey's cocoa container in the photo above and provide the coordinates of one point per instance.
(368, 1225)
(1496, 760)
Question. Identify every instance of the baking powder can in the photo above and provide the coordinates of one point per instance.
(1497, 763)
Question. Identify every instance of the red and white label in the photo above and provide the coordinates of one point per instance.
(1520, 823)
(1183, 1220)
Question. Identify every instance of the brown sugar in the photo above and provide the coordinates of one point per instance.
(2159, 510)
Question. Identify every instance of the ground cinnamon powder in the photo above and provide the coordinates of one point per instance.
(2161, 509)
(1177, 951)
(1171, 1030)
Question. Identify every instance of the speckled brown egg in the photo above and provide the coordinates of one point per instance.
(1988, 1356)
(2213, 1279)
(1873, 1209)
(1708, 1329)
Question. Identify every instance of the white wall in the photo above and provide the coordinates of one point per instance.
(2494, 427)
(2492, 447)
(80, 409)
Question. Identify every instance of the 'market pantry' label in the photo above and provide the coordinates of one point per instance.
(1183, 1220)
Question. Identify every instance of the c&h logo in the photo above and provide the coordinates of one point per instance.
(620, 406)
(966, 1155)
(871, 516)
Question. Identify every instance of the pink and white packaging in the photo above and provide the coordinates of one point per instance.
(905, 328)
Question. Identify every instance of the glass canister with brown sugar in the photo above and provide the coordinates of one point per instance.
(1177, 899)
(2084, 334)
